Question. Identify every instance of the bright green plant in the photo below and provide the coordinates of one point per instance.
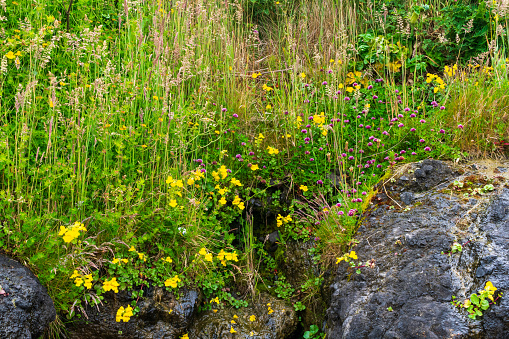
(478, 303)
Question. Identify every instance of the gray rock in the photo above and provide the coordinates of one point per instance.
(407, 198)
(281, 323)
(273, 237)
(413, 278)
(25, 306)
(161, 315)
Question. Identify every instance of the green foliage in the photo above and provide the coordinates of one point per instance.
(283, 289)
(478, 303)
(313, 332)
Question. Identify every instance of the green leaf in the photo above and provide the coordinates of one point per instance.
(474, 299)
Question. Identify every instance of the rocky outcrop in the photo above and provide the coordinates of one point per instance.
(417, 215)
(161, 315)
(273, 319)
(25, 306)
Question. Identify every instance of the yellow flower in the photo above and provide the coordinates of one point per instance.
(232, 330)
(222, 201)
(270, 310)
(132, 249)
(10, 55)
(172, 282)
(88, 281)
(353, 255)
(254, 167)
(169, 180)
(268, 107)
(303, 188)
(236, 201)
(331, 61)
(124, 314)
(252, 318)
(241, 206)
(349, 89)
(235, 182)
(208, 257)
(168, 259)
(340, 260)
(267, 88)
(255, 75)
(190, 181)
(302, 75)
(111, 285)
(232, 322)
(78, 282)
(202, 251)
(215, 300)
(115, 261)
(185, 336)
(142, 256)
(272, 150)
(489, 287)
(173, 203)
(235, 316)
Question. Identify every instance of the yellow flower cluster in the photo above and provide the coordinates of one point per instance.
(124, 314)
(280, 220)
(235, 182)
(174, 182)
(116, 261)
(440, 84)
(255, 75)
(111, 285)
(267, 88)
(203, 252)
(223, 190)
(225, 256)
(221, 173)
(79, 279)
(272, 150)
(172, 282)
(71, 233)
(258, 140)
(347, 257)
(319, 119)
(450, 71)
(357, 77)
(140, 255)
(269, 309)
(303, 188)
(196, 176)
(237, 202)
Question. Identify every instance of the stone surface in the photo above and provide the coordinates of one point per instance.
(278, 325)
(161, 316)
(25, 306)
(410, 276)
